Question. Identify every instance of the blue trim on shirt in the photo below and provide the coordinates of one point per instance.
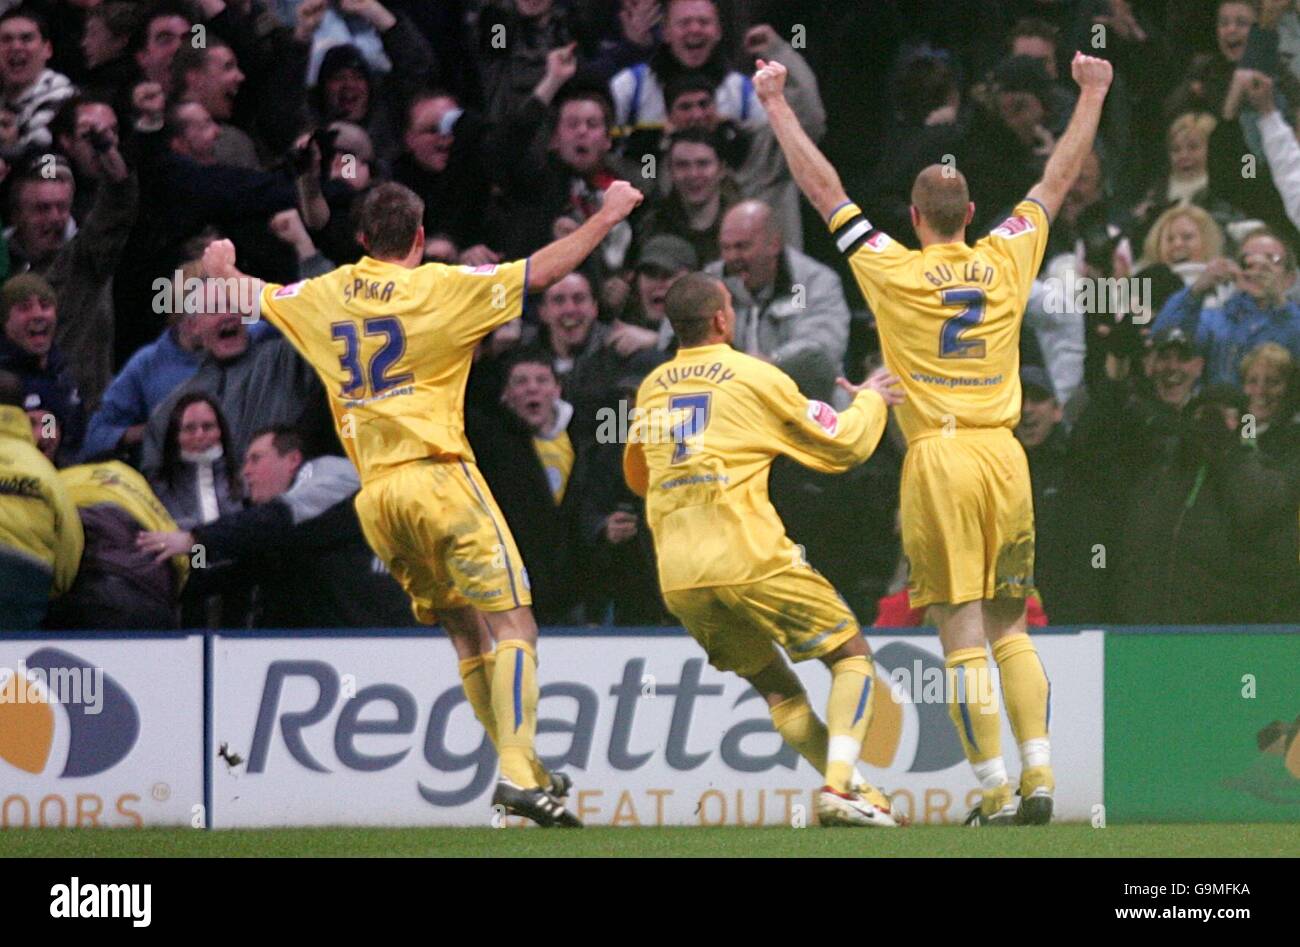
(523, 296)
(838, 208)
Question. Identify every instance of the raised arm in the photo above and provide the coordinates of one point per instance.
(219, 263)
(557, 260)
(808, 166)
(1093, 76)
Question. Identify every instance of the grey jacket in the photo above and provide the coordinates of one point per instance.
(806, 314)
(269, 384)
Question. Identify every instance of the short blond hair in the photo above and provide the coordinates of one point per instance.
(1211, 233)
(1274, 355)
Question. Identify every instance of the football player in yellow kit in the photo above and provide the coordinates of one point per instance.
(392, 341)
(949, 319)
(707, 427)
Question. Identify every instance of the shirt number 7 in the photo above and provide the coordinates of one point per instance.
(697, 409)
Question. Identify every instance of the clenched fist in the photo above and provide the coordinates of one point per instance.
(1091, 73)
(621, 198)
(219, 259)
(769, 81)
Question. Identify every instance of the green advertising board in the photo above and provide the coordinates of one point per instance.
(1202, 726)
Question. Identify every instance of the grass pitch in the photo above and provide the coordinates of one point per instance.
(1218, 840)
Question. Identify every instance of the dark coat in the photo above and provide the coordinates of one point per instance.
(622, 577)
(317, 574)
(56, 388)
(1201, 534)
(118, 586)
(455, 198)
(543, 531)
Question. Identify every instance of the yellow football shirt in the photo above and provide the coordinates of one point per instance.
(115, 484)
(949, 316)
(393, 347)
(556, 455)
(708, 425)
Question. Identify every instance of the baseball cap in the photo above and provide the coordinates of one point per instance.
(668, 253)
(1036, 383)
(1174, 335)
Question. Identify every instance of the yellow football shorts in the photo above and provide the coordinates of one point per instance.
(739, 626)
(967, 510)
(436, 526)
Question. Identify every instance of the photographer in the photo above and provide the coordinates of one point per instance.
(1203, 522)
(1264, 272)
(338, 159)
(1184, 523)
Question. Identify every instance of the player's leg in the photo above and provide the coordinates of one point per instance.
(479, 557)
(973, 705)
(795, 719)
(734, 626)
(947, 525)
(525, 787)
(476, 676)
(733, 643)
(515, 692)
(823, 628)
(472, 641)
(1025, 688)
(515, 632)
(1027, 693)
(792, 714)
(848, 709)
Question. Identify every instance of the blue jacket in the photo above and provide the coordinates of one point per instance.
(56, 388)
(1225, 335)
(150, 375)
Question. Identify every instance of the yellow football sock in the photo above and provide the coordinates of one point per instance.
(489, 663)
(800, 727)
(477, 685)
(973, 707)
(514, 704)
(1028, 696)
(1025, 687)
(848, 712)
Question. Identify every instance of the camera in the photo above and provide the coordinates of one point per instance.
(324, 139)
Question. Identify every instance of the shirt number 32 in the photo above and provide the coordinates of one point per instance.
(373, 378)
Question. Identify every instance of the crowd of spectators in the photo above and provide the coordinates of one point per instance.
(182, 469)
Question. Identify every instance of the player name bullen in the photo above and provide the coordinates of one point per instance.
(972, 273)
